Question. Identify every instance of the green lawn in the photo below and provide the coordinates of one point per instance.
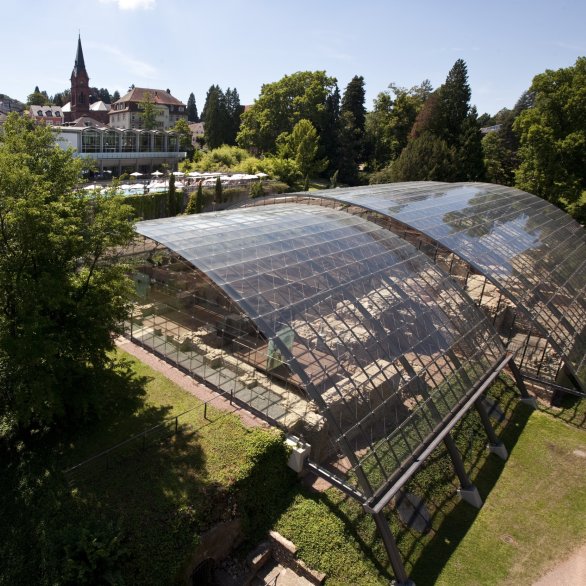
(534, 516)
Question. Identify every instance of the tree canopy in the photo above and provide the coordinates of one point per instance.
(552, 136)
(221, 116)
(148, 112)
(280, 105)
(302, 146)
(192, 115)
(60, 297)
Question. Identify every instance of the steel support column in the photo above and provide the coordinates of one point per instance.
(392, 550)
(468, 492)
(495, 446)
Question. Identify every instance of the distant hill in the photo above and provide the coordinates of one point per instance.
(8, 104)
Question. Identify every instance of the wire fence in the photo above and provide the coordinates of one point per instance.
(132, 447)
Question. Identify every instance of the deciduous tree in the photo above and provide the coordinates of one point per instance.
(148, 112)
(280, 105)
(61, 299)
(302, 145)
(553, 136)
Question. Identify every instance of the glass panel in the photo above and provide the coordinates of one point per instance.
(533, 253)
(346, 314)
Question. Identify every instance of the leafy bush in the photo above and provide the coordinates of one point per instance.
(156, 205)
(264, 482)
(256, 189)
(92, 555)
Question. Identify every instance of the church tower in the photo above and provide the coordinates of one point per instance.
(80, 102)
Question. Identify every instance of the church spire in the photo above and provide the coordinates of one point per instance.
(80, 103)
(79, 66)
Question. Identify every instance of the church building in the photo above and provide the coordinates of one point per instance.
(79, 106)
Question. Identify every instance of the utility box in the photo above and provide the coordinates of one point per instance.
(299, 452)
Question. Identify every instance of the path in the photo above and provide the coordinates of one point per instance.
(189, 384)
(571, 572)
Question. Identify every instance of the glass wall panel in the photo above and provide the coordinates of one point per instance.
(111, 141)
(353, 328)
(520, 256)
(91, 140)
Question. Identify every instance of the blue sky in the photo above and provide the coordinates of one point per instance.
(188, 45)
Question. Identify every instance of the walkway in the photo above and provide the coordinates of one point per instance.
(188, 384)
(571, 572)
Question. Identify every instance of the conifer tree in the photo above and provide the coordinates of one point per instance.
(351, 136)
(192, 109)
(218, 191)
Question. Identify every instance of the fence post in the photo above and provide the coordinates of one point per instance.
(205, 410)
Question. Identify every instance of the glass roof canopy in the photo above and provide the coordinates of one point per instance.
(528, 248)
(386, 344)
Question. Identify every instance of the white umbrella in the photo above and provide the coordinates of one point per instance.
(157, 173)
(136, 174)
(178, 173)
(194, 174)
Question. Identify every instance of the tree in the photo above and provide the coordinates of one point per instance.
(37, 98)
(455, 96)
(61, 297)
(233, 112)
(329, 135)
(172, 190)
(350, 146)
(425, 158)
(391, 121)
(379, 140)
(552, 136)
(499, 148)
(448, 115)
(104, 95)
(181, 128)
(218, 191)
(195, 202)
(199, 201)
(302, 145)
(148, 111)
(192, 109)
(61, 98)
(215, 118)
(280, 105)
(353, 101)
(469, 157)
(351, 135)
(115, 96)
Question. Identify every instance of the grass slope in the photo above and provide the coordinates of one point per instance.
(535, 507)
(534, 517)
(136, 518)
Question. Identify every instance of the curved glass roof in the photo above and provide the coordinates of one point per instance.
(385, 343)
(531, 250)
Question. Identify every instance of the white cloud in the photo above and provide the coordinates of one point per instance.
(132, 4)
